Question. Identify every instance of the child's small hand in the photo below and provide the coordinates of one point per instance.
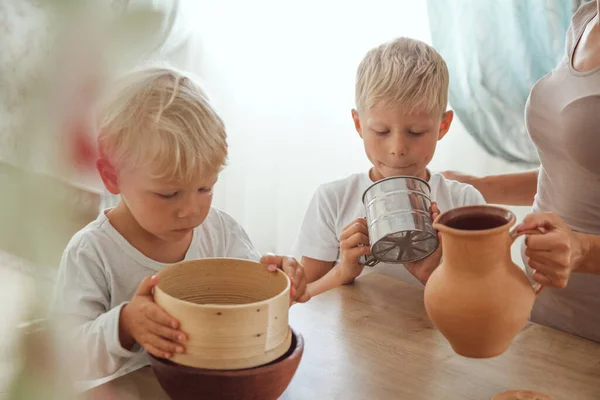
(144, 322)
(423, 269)
(294, 270)
(354, 243)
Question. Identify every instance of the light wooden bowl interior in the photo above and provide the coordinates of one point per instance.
(235, 312)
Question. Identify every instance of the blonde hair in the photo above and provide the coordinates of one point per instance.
(404, 72)
(158, 119)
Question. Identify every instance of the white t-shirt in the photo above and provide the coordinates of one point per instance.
(336, 204)
(100, 272)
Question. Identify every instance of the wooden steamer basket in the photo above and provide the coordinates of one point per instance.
(235, 312)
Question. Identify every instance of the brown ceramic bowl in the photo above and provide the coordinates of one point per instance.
(266, 382)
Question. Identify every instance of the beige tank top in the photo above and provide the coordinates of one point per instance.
(563, 120)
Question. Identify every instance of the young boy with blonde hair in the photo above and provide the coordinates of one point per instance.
(401, 100)
(162, 147)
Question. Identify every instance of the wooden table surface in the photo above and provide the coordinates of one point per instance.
(373, 340)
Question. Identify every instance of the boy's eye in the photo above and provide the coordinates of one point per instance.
(167, 195)
(382, 133)
(415, 133)
(205, 190)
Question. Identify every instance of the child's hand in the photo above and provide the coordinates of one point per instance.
(144, 322)
(294, 270)
(423, 269)
(354, 243)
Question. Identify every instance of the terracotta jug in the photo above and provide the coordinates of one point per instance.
(478, 298)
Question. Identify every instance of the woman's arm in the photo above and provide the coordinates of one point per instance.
(589, 261)
(516, 189)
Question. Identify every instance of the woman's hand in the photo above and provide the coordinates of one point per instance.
(556, 253)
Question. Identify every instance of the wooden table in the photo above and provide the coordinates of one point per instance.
(373, 340)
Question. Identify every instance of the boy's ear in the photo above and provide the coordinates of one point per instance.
(356, 120)
(447, 119)
(108, 173)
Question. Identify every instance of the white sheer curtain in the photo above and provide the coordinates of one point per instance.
(282, 76)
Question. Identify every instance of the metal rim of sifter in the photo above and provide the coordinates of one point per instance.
(393, 178)
(408, 245)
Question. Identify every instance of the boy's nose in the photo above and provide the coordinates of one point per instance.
(189, 210)
(398, 146)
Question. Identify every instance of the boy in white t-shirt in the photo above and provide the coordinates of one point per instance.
(401, 100)
(162, 147)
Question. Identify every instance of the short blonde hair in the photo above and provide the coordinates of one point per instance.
(404, 72)
(156, 118)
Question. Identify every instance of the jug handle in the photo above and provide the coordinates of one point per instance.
(537, 287)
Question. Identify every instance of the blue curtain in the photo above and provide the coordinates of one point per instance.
(496, 50)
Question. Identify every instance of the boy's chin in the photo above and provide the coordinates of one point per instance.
(174, 235)
(392, 172)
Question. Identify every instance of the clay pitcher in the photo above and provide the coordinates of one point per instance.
(478, 298)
